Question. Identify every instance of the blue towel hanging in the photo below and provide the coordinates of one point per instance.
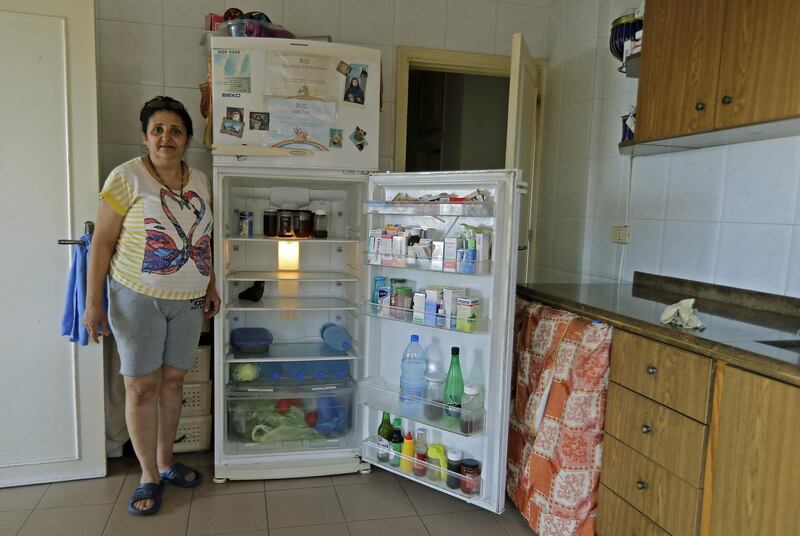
(75, 303)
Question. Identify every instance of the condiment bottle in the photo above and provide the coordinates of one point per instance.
(436, 458)
(453, 468)
(471, 483)
(434, 395)
(320, 224)
(397, 443)
(406, 462)
(471, 409)
(421, 452)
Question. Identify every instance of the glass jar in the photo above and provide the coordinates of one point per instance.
(320, 224)
(271, 222)
(434, 392)
(471, 409)
(302, 225)
(471, 483)
(285, 222)
(453, 466)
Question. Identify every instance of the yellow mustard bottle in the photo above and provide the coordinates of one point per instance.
(408, 452)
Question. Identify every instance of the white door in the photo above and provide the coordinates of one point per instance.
(523, 91)
(51, 422)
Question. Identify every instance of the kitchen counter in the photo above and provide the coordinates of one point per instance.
(731, 335)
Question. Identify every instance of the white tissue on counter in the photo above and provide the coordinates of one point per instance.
(682, 314)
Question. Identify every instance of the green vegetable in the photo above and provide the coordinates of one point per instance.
(245, 372)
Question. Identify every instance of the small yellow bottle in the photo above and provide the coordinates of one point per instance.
(408, 452)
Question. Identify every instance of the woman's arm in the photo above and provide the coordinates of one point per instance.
(104, 242)
(211, 307)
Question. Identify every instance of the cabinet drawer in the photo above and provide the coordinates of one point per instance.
(663, 497)
(615, 517)
(670, 439)
(673, 377)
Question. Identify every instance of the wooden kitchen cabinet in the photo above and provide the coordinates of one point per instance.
(756, 471)
(679, 67)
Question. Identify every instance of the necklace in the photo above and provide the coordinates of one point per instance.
(163, 183)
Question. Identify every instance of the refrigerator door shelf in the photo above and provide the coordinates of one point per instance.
(469, 326)
(479, 268)
(435, 477)
(376, 393)
(485, 209)
(292, 304)
(291, 351)
(288, 275)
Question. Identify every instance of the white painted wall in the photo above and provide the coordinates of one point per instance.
(729, 215)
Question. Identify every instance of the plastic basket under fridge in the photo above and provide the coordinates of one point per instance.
(193, 434)
(201, 371)
(196, 399)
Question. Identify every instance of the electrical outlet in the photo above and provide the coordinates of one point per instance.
(621, 234)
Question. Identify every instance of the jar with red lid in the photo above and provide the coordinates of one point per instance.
(471, 470)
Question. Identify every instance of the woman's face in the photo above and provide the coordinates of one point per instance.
(166, 136)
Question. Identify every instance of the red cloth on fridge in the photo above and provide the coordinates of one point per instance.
(555, 439)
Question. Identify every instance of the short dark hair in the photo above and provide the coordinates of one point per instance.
(162, 102)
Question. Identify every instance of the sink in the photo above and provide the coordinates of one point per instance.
(790, 345)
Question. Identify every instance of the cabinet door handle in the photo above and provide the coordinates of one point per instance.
(651, 370)
(641, 484)
(646, 429)
(727, 99)
(700, 106)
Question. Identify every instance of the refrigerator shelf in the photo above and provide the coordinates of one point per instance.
(234, 447)
(435, 476)
(473, 268)
(268, 389)
(289, 275)
(375, 393)
(292, 304)
(469, 326)
(485, 209)
(272, 239)
(292, 351)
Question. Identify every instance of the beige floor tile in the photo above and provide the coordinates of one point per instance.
(208, 487)
(374, 501)
(205, 458)
(513, 522)
(428, 501)
(82, 492)
(21, 497)
(69, 521)
(245, 533)
(298, 483)
(399, 526)
(377, 475)
(171, 493)
(336, 529)
(480, 523)
(300, 507)
(10, 522)
(227, 513)
(171, 520)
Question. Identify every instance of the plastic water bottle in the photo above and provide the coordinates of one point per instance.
(296, 372)
(317, 371)
(412, 377)
(273, 371)
(338, 370)
(335, 336)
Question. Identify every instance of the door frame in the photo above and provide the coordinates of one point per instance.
(449, 61)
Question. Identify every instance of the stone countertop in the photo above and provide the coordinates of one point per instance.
(731, 335)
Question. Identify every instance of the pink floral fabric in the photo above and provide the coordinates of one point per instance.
(556, 429)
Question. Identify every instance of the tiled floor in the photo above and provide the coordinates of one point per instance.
(355, 505)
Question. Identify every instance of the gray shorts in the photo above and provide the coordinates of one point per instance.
(152, 331)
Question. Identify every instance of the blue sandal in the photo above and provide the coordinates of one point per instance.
(144, 492)
(177, 473)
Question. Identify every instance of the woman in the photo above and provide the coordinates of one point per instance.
(153, 237)
(354, 92)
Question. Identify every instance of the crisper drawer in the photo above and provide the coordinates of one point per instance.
(290, 419)
(670, 439)
(663, 497)
(673, 377)
(615, 517)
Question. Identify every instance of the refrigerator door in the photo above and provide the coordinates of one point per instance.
(303, 104)
(485, 342)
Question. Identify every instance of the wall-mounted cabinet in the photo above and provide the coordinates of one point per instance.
(711, 70)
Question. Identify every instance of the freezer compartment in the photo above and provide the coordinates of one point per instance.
(427, 319)
(377, 394)
(462, 486)
(289, 420)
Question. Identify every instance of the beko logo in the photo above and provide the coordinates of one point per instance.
(237, 95)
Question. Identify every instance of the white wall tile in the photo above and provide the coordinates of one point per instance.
(420, 23)
(571, 188)
(610, 131)
(618, 8)
(471, 25)
(761, 181)
(581, 16)
(545, 237)
(614, 82)
(695, 184)
(199, 158)
(611, 188)
(306, 18)
(191, 101)
(556, 25)
(643, 254)
(553, 86)
(560, 276)
(578, 83)
(535, 3)
(528, 20)
(368, 22)
(274, 9)
(386, 147)
(551, 126)
(112, 155)
(649, 187)
(149, 11)
(568, 242)
(547, 189)
(793, 277)
(604, 255)
(185, 59)
(575, 131)
(689, 250)
(755, 257)
(192, 13)
(131, 52)
(119, 111)
(541, 275)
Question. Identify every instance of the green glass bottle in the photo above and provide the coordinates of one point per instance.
(397, 443)
(453, 389)
(384, 438)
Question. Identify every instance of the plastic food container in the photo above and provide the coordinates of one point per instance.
(251, 340)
